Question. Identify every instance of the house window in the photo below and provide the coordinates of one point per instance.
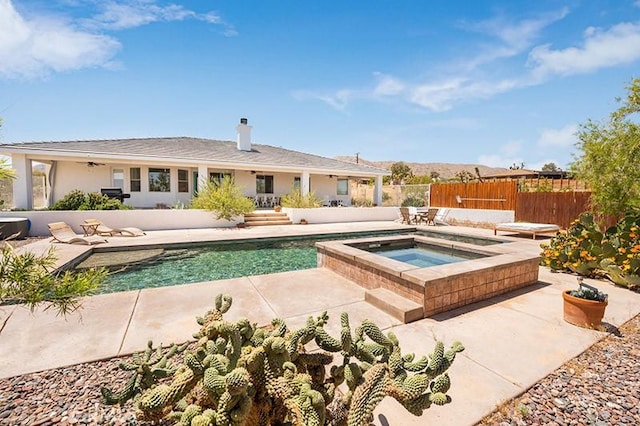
(296, 182)
(183, 180)
(159, 180)
(218, 177)
(134, 179)
(264, 184)
(343, 187)
(117, 178)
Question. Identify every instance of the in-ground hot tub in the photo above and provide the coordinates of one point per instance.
(477, 274)
(18, 227)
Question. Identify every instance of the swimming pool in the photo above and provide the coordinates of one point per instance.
(424, 256)
(461, 238)
(161, 267)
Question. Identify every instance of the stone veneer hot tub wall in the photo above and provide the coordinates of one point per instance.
(437, 288)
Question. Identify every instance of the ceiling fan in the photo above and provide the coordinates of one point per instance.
(91, 163)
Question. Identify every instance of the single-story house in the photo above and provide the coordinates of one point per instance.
(166, 171)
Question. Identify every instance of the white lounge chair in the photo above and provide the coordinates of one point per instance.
(441, 217)
(526, 228)
(102, 229)
(63, 233)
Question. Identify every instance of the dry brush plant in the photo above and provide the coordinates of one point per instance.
(239, 374)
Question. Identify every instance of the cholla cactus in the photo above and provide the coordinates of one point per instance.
(239, 374)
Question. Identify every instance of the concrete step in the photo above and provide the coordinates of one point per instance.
(267, 222)
(395, 305)
(265, 214)
(266, 218)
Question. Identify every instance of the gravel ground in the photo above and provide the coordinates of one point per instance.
(599, 387)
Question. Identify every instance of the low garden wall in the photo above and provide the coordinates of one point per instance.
(479, 216)
(342, 214)
(147, 220)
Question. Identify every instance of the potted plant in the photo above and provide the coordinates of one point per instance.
(585, 306)
(303, 221)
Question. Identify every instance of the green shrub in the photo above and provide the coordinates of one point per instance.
(295, 199)
(223, 197)
(71, 201)
(25, 278)
(413, 200)
(361, 202)
(78, 200)
(586, 250)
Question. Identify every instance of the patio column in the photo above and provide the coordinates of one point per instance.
(23, 183)
(203, 176)
(304, 182)
(377, 191)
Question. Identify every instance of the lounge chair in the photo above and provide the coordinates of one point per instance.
(102, 229)
(428, 216)
(63, 233)
(526, 228)
(406, 216)
(441, 217)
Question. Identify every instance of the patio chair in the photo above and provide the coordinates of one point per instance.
(430, 217)
(63, 233)
(406, 216)
(102, 229)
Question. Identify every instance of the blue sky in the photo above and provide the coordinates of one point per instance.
(490, 82)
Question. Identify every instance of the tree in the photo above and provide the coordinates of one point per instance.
(551, 167)
(434, 175)
(418, 180)
(609, 159)
(223, 197)
(465, 176)
(399, 172)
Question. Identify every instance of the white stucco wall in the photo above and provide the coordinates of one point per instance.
(343, 214)
(77, 175)
(480, 216)
(147, 220)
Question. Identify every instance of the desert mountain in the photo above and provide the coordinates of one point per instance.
(445, 170)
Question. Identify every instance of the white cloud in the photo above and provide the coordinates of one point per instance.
(388, 85)
(339, 100)
(116, 15)
(461, 85)
(601, 49)
(444, 95)
(563, 137)
(35, 47)
(515, 36)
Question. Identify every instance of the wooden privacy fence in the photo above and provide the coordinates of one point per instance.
(560, 208)
(499, 195)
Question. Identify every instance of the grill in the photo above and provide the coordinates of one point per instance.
(115, 193)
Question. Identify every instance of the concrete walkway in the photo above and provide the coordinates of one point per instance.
(511, 341)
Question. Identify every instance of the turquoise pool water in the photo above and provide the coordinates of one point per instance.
(424, 256)
(133, 270)
(479, 241)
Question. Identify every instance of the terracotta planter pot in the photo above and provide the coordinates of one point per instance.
(583, 312)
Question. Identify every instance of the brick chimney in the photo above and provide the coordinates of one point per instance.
(244, 135)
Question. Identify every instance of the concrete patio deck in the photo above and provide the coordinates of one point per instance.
(512, 341)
